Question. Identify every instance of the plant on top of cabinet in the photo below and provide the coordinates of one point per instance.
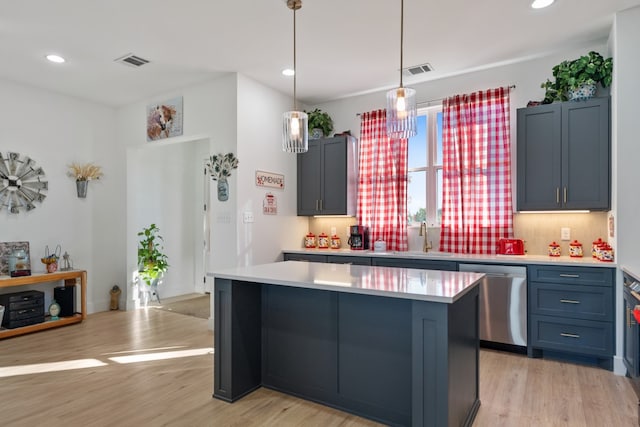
(319, 119)
(571, 75)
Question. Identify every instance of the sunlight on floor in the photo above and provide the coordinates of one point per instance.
(162, 356)
(39, 368)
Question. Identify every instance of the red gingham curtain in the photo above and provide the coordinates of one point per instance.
(382, 189)
(476, 167)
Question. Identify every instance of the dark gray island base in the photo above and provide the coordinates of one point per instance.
(334, 337)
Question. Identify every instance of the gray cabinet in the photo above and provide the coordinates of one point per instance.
(571, 311)
(564, 156)
(305, 257)
(328, 177)
(425, 264)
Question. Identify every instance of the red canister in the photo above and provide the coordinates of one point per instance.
(323, 241)
(594, 247)
(554, 249)
(310, 240)
(335, 242)
(575, 249)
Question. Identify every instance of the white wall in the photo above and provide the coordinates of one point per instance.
(260, 112)
(526, 76)
(209, 114)
(55, 130)
(626, 153)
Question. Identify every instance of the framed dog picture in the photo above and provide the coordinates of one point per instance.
(164, 119)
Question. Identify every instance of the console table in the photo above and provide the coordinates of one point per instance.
(70, 279)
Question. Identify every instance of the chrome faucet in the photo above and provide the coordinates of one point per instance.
(426, 245)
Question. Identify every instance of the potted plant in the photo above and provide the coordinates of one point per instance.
(152, 263)
(577, 79)
(319, 123)
(83, 173)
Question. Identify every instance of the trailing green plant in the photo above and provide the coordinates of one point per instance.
(152, 262)
(571, 74)
(319, 119)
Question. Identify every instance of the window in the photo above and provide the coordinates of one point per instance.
(424, 189)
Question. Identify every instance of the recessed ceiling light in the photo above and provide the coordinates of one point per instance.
(55, 58)
(288, 72)
(539, 4)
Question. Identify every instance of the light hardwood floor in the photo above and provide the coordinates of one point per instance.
(514, 390)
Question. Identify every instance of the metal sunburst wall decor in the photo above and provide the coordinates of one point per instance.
(21, 183)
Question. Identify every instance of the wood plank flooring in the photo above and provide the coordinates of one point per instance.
(35, 391)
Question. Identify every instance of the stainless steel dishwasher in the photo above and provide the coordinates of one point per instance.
(503, 303)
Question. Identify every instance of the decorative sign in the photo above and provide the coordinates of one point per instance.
(270, 205)
(268, 179)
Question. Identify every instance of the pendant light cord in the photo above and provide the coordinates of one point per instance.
(295, 70)
(401, 36)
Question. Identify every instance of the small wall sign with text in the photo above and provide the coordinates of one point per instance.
(270, 205)
(268, 179)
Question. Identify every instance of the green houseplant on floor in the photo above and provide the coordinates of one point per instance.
(571, 75)
(152, 262)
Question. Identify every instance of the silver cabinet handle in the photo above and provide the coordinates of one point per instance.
(564, 334)
(557, 195)
(565, 194)
(569, 301)
(317, 205)
(575, 276)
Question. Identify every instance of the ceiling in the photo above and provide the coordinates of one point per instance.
(345, 47)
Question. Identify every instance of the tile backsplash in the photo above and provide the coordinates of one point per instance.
(539, 229)
(536, 229)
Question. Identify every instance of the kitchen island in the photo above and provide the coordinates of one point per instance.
(397, 345)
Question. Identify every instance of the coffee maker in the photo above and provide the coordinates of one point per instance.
(359, 237)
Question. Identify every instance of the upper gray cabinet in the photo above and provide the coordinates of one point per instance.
(328, 177)
(564, 156)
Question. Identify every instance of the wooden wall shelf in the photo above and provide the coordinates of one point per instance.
(70, 279)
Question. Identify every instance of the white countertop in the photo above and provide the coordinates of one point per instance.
(407, 283)
(586, 261)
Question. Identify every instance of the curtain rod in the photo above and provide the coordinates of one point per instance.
(438, 99)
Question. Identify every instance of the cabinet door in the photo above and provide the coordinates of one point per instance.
(309, 179)
(539, 157)
(585, 154)
(334, 177)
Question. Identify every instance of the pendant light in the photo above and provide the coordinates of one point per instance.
(401, 102)
(295, 134)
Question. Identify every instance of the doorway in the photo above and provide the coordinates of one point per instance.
(165, 187)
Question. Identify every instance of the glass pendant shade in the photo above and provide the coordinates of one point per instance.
(402, 112)
(295, 132)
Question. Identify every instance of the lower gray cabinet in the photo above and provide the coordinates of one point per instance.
(425, 264)
(571, 311)
(305, 257)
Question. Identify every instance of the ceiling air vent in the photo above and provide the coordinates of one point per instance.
(132, 60)
(414, 70)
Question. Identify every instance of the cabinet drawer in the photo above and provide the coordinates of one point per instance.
(573, 301)
(424, 264)
(305, 257)
(572, 335)
(346, 259)
(597, 276)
